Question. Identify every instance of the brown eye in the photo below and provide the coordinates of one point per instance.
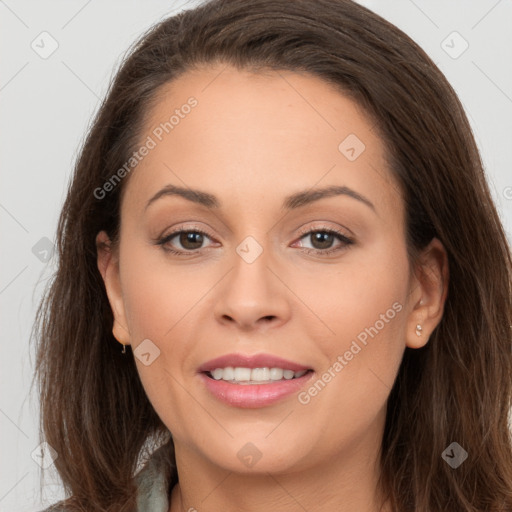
(322, 241)
(190, 240)
(185, 241)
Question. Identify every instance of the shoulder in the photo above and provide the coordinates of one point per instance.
(153, 482)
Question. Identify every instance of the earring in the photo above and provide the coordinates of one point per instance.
(418, 330)
(124, 346)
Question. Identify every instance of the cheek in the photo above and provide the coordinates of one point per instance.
(362, 307)
(156, 292)
(159, 300)
(366, 290)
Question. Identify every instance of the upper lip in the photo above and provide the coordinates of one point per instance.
(251, 361)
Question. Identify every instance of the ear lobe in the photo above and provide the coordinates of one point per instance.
(432, 278)
(108, 265)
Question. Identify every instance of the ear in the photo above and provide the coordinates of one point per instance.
(108, 265)
(430, 284)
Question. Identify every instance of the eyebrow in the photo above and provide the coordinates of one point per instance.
(296, 200)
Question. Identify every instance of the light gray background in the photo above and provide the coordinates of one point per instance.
(48, 103)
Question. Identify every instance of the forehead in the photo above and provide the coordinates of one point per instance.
(247, 135)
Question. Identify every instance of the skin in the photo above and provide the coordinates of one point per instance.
(252, 140)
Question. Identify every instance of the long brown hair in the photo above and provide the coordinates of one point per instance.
(94, 411)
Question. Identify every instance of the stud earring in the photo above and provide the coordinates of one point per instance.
(418, 330)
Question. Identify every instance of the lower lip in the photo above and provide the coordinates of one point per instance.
(253, 396)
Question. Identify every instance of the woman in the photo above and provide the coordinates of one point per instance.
(281, 210)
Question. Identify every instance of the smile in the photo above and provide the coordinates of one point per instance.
(251, 376)
(254, 394)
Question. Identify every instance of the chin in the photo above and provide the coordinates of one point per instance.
(260, 456)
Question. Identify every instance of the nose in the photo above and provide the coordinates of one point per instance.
(253, 296)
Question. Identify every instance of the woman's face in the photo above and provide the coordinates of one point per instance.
(271, 277)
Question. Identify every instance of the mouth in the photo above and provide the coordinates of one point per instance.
(254, 376)
(243, 362)
(253, 381)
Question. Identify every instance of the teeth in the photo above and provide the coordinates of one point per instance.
(218, 373)
(242, 374)
(247, 375)
(260, 374)
(276, 374)
(288, 374)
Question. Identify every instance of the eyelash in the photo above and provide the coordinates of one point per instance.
(347, 241)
